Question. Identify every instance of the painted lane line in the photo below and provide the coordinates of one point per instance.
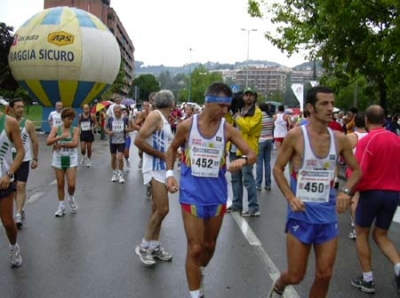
(34, 197)
(253, 240)
(396, 217)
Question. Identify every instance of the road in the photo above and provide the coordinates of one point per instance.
(91, 253)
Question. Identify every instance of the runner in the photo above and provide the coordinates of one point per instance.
(203, 190)
(139, 122)
(379, 157)
(55, 116)
(360, 132)
(31, 146)
(281, 124)
(312, 151)
(117, 128)
(87, 125)
(154, 138)
(65, 141)
(10, 134)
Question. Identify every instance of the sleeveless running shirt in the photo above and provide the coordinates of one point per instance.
(6, 158)
(26, 141)
(280, 130)
(160, 141)
(314, 183)
(203, 168)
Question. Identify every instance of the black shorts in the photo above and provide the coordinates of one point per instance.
(4, 193)
(87, 137)
(378, 205)
(23, 172)
(114, 148)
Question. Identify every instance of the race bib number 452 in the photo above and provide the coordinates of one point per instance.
(205, 162)
(313, 185)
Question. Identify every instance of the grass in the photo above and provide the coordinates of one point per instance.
(33, 113)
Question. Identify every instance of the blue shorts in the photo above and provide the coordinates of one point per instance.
(311, 233)
(128, 142)
(378, 205)
(205, 212)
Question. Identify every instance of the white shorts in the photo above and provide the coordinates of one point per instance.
(64, 162)
(156, 175)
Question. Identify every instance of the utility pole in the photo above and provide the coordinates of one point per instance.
(248, 53)
(190, 75)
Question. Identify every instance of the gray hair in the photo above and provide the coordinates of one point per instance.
(117, 106)
(164, 99)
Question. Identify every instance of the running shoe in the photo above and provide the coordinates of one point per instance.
(72, 204)
(128, 164)
(145, 255)
(88, 163)
(140, 163)
(114, 177)
(267, 188)
(83, 160)
(258, 188)
(60, 211)
(18, 220)
(121, 179)
(364, 286)
(201, 290)
(397, 281)
(251, 214)
(160, 253)
(274, 293)
(15, 256)
(23, 214)
(353, 235)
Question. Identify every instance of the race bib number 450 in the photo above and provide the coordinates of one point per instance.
(205, 162)
(313, 185)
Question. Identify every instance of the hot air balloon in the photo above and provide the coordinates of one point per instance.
(64, 54)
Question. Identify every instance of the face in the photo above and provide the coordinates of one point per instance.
(323, 110)
(18, 109)
(189, 111)
(86, 109)
(68, 121)
(248, 98)
(117, 112)
(218, 110)
(118, 100)
(146, 106)
(59, 106)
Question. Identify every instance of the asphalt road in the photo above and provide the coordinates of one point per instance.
(91, 253)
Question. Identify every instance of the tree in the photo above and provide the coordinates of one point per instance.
(119, 83)
(146, 83)
(7, 81)
(352, 37)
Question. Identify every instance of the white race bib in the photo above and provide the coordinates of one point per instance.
(205, 162)
(118, 126)
(57, 122)
(85, 126)
(314, 185)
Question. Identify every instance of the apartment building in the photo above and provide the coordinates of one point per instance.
(103, 10)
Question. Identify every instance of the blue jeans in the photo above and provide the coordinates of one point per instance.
(264, 160)
(244, 177)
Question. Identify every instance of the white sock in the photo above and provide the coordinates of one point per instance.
(12, 246)
(202, 268)
(154, 244)
(195, 294)
(368, 276)
(145, 243)
(397, 269)
(61, 203)
(71, 197)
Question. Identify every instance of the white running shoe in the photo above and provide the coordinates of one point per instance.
(121, 178)
(15, 256)
(18, 220)
(88, 163)
(114, 177)
(60, 211)
(83, 160)
(72, 204)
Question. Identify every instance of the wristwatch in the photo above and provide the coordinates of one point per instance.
(10, 175)
(346, 191)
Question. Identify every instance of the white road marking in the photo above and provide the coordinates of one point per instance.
(54, 182)
(253, 240)
(396, 217)
(34, 197)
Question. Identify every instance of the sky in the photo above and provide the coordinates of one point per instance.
(164, 31)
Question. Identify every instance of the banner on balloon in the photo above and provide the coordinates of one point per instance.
(298, 90)
(64, 54)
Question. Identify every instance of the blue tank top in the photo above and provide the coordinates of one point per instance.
(203, 168)
(317, 211)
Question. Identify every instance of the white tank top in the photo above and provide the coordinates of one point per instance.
(6, 158)
(160, 141)
(280, 130)
(359, 136)
(26, 141)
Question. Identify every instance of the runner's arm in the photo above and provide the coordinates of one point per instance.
(75, 140)
(12, 128)
(350, 160)
(53, 138)
(178, 141)
(34, 140)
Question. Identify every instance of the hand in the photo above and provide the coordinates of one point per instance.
(172, 185)
(110, 133)
(297, 205)
(342, 202)
(57, 146)
(34, 164)
(5, 182)
(237, 165)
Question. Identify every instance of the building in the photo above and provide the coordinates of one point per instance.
(103, 10)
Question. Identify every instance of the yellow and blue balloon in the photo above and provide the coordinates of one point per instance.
(64, 54)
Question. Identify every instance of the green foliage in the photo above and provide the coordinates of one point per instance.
(351, 37)
(146, 83)
(7, 81)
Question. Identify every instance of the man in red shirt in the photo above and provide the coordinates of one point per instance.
(379, 156)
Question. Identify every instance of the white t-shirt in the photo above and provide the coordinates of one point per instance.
(56, 118)
(110, 111)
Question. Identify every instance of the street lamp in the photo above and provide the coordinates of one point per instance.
(248, 53)
(190, 75)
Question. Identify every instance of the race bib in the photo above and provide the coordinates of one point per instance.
(205, 162)
(57, 121)
(117, 126)
(85, 126)
(314, 185)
